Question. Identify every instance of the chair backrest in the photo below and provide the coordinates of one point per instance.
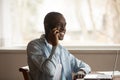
(25, 71)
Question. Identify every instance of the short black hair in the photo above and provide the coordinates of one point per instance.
(50, 19)
(51, 16)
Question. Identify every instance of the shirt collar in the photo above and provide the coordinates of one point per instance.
(44, 39)
(48, 44)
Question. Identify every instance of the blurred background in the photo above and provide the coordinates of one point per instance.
(93, 32)
(89, 22)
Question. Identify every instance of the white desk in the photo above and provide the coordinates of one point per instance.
(116, 74)
(104, 75)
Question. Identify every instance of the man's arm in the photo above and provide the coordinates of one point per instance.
(46, 65)
(49, 66)
(78, 65)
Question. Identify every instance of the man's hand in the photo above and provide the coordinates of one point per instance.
(81, 74)
(54, 36)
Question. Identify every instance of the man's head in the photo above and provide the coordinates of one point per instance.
(55, 20)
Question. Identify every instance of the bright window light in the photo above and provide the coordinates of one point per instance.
(89, 22)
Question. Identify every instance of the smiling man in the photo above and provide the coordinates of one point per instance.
(47, 59)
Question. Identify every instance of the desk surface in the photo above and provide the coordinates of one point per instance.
(106, 75)
(103, 75)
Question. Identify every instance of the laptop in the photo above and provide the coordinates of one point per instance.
(103, 75)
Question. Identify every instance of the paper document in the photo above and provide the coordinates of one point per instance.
(97, 76)
(116, 73)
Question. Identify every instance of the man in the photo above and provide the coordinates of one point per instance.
(47, 59)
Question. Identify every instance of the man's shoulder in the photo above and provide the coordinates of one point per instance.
(36, 41)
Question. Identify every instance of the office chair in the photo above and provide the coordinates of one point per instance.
(25, 71)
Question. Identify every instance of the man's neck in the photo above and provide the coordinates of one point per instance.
(47, 39)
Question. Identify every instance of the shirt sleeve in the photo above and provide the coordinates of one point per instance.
(38, 58)
(77, 64)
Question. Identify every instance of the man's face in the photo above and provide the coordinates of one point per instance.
(61, 26)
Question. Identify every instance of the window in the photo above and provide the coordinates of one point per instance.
(89, 22)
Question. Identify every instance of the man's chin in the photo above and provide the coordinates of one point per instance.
(60, 38)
